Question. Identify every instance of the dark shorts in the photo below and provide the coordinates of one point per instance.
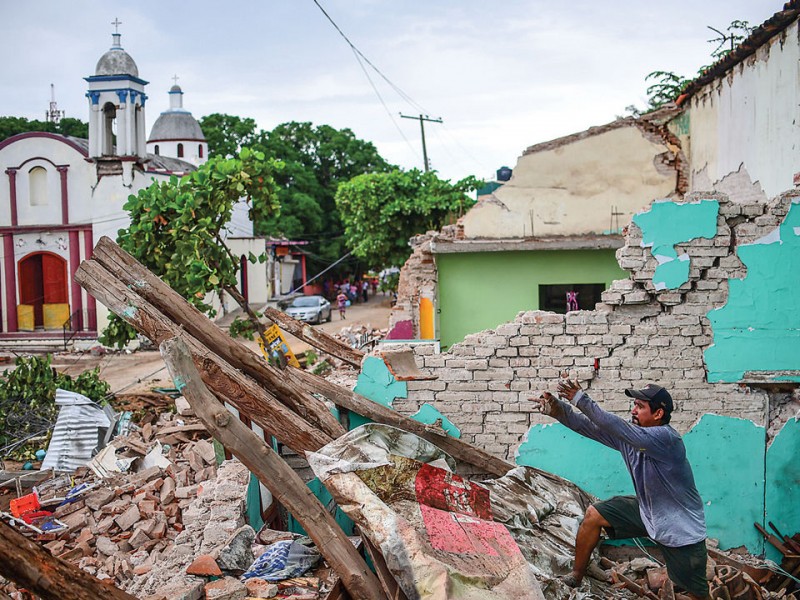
(686, 565)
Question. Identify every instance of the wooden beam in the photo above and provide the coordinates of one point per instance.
(139, 279)
(274, 473)
(460, 450)
(226, 382)
(30, 566)
(315, 337)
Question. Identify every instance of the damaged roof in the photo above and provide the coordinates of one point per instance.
(761, 35)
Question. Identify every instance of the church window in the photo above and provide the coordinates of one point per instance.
(200, 150)
(109, 125)
(180, 150)
(158, 150)
(37, 178)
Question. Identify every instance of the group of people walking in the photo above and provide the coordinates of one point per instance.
(347, 293)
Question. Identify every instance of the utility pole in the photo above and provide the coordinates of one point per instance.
(422, 119)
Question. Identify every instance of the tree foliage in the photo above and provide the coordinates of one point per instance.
(667, 85)
(227, 134)
(381, 211)
(317, 160)
(176, 227)
(10, 126)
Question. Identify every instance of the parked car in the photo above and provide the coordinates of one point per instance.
(312, 309)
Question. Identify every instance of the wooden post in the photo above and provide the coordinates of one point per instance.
(225, 381)
(315, 337)
(133, 274)
(273, 472)
(30, 566)
(488, 463)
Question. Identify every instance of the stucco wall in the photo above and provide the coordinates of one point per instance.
(745, 126)
(571, 188)
(482, 290)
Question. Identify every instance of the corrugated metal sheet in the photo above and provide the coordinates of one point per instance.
(76, 432)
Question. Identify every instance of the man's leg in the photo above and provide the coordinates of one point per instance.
(586, 540)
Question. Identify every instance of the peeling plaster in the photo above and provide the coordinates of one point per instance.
(429, 415)
(378, 384)
(667, 224)
(758, 330)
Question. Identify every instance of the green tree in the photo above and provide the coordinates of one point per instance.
(176, 228)
(10, 126)
(381, 211)
(227, 134)
(667, 85)
(317, 160)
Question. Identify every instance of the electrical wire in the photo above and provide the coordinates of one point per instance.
(391, 84)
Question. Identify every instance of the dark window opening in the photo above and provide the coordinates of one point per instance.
(200, 150)
(556, 298)
(158, 150)
(180, 150)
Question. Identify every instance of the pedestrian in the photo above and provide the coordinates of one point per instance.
(364, 289)
(341, 302)
(666, 508)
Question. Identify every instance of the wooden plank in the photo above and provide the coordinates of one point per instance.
(172, 305)
(348, 399)
(389, 583)
(315, 337)
(225, 381)
(274, 473)
(30, 566)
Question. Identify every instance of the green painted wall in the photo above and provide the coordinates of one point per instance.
(481, 290)
(759, 327)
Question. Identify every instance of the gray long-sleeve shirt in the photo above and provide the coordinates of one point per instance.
(670, 506)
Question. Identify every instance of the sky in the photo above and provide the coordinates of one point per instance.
(502, 76)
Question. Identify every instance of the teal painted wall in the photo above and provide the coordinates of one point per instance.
(670, 223)
(727, 457)
(759, 327)
(741, 483)
(783, 475)
(481, 290)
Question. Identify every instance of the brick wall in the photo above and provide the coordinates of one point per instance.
(637, 335)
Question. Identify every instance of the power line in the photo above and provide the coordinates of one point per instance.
(391, 84)
(422, 120)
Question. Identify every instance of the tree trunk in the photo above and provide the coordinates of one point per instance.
(274, 473)
(133, 274)
(225, 381)
(30, 566)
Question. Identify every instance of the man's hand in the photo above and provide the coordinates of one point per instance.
(548, 405)
(567, 390)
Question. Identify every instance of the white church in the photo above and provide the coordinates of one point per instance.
(60, 194)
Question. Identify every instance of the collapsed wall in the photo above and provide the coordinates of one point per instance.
(638, 334)
(713, 318)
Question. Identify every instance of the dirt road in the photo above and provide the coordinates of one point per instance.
(144, 370)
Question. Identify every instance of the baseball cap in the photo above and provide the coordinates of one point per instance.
(656, 395)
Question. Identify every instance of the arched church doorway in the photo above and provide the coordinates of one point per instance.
(42, 280)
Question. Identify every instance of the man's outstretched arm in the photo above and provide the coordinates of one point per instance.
(561, 411)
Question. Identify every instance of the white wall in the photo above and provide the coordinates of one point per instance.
(749, 118)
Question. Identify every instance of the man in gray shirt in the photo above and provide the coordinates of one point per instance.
(667, 507)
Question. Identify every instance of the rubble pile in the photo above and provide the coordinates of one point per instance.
(127, 506)
(361, 336)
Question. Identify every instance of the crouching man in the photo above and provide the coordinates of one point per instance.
(666, 507)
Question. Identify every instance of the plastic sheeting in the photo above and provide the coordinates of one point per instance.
(77, 432)
(433, 528)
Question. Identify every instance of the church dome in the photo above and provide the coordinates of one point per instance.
(176, 125)
(116, 61)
